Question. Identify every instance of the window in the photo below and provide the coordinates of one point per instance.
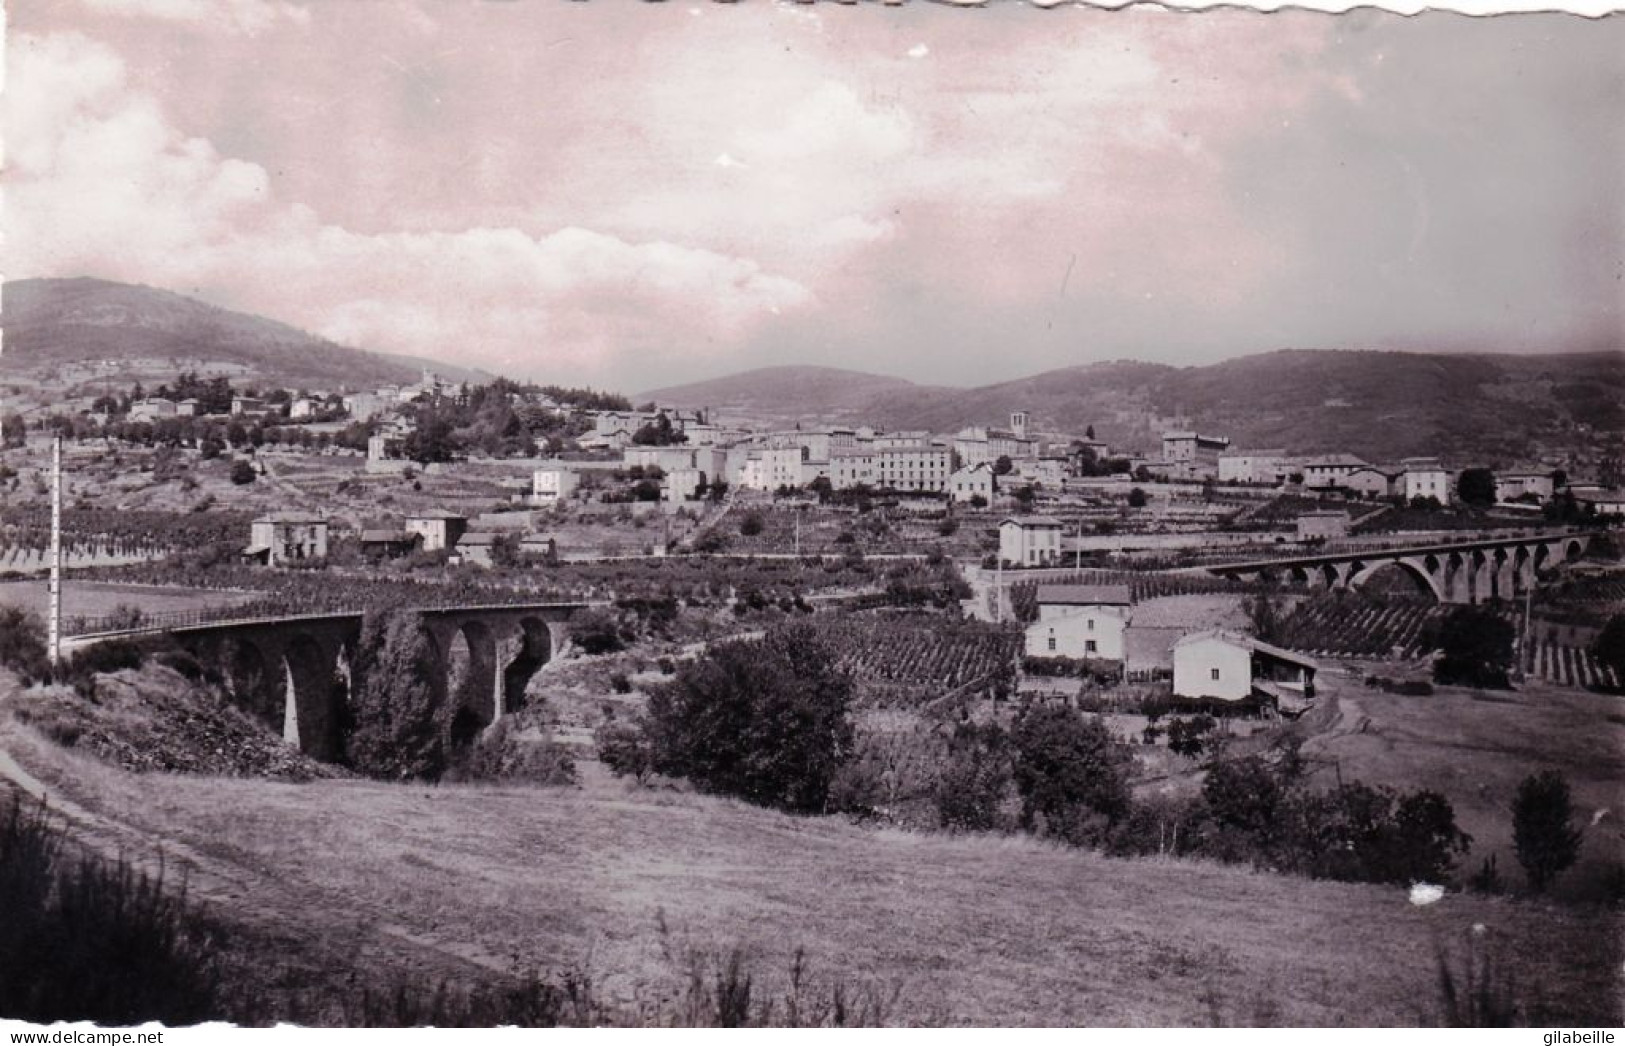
(1091, 624)
(1052, 642)
(1089, 646)
(1215, 673)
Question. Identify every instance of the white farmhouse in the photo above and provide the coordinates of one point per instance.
(1030, 541)
(1080, 621)
(971, 482)
(1425, 478)
(1227, 666)
(552, 486)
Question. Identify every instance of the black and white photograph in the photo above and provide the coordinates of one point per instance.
(791, 514)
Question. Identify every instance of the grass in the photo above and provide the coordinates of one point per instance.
(958, 930)
(1474, 747)
(96, 598)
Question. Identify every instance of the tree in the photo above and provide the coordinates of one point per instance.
(432, 441)
(766, 720)
(1067, 771)
(1609, 647)
(13, 430)
(1475, 648)
(1089, 433)
(624, 748)
(1265, 610)
(1136, 498)
(1476, 487)
(242, 473)
(402, 725)
(1189, 737)
(751, 525)
(22, 644)
(1543, 834)
(1003, 465)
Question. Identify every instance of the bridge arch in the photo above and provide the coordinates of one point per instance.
(251, 678)
(470, 678)
(534, 649)
(1425, 579)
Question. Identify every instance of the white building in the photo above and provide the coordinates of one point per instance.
(553, 485)
(1425, 478)
(681, 484)
(1230, 667)
(1096, 632)
(285, 537)
(1330, 471)
(972, 482)
(1511, 486)
(303, 407)
(1253, 466)
(1030, 541)
(769, 468)
(1321, 526)
(438, 529)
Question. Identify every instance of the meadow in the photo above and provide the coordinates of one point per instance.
(979, 930)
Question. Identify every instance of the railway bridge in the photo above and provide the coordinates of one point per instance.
(1473, 571)
(294, 671)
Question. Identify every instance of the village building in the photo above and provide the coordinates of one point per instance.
(438, 529)
(1030, 541)
(769, 468)
(186, 408)
(248, 407)
(1322, 526)
(1228, 666)
(1517, 486)
(976, 445)
(1425, 478)
(363, 406)
(1092, 633)
(152, 410)
(286, 537)
(1189, 455)
(1373, 481)
(1602, 501)
(387, 544)
(1253, 466)
(1043, 471)
(974, 481)
(681, 484)
(303, 407)
(1331, 471)
(477, 547)
(553, 485)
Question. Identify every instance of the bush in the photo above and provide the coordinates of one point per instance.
(22, 644)
(751, 525)
(242, 473)
(624, 748)
(1546, 841)
(597, 631)
(85, 941)
(975, 779)
(1189, 737)
(1475, 648)
(501, 754)
(765, 720)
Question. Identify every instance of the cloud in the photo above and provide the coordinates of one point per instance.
(103, 183)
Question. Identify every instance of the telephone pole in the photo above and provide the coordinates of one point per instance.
(53, 634)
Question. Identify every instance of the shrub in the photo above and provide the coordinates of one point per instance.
(1188, 737)
(620, 682)
(975, 779)
(502, 754)
(1475, 648)
(624, 748)
(751, 525)
(765, 720)
(85, 941)
(242, 473)
(1546, 841)
(1609, 646)
(597, 631)
(22, 644)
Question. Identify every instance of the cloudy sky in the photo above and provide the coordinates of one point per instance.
(635, 195)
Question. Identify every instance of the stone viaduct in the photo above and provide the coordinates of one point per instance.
(1457, 572)
(294, 672)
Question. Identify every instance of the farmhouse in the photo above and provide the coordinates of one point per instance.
(1516, 486)
(1188, 455)
(1030, 541)
(1232, 667)
(550, 486)
(971, 482)
(151, 410)
(1080, 621)
(438, 529)
(1425, 478)
(681, 484)
(1374, 482)
(1252, 466)
(1603, 502)
(286, 537)
(387, 544)
(1332, 470)
(477, 547)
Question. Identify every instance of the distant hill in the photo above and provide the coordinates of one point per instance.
(788, 392)
(52, 322)
(1380, 405)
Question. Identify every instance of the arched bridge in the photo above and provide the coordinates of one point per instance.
(294, 671)
(1455, 572)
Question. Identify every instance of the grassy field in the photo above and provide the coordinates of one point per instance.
(977, 930)
(1475, 746)
(95, 598)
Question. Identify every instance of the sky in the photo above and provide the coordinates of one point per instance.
(638, 195)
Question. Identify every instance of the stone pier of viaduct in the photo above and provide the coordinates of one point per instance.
(294, 672)
(1458, 572)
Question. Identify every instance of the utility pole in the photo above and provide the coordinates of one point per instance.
(53, 635)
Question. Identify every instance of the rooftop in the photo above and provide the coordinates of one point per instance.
(1257, 646)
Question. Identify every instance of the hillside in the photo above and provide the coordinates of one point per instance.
(789, 392)
(1380, 405)
(967, 930)
(50, 323)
